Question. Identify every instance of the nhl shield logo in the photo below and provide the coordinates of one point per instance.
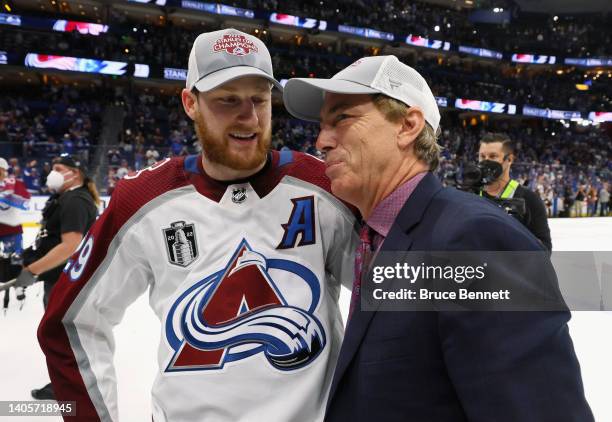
(181, 243)
(239, 195)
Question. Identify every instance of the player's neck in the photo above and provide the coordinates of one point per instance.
(225, 174)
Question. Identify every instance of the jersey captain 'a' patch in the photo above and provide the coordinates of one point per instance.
(240, 312)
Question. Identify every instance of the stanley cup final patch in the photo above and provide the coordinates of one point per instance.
(181, 243)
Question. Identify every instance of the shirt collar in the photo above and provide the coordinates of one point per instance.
(386, 211)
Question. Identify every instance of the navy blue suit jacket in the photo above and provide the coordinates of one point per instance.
(463, 365)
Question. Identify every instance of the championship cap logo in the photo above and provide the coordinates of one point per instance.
(237, 45)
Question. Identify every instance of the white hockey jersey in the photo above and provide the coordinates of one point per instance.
(244, 276)
(14, 200)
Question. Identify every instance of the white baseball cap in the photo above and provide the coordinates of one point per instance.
(4, 164)
(222, 56)
(386, 75)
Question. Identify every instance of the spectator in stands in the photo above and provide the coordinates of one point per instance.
(83, 146)
(31, 177)
(139, 157)
(604, 200)
(592, 201)
(580, 202)
(152, 156)
(123, 170)
(67, 144)
(114, 158)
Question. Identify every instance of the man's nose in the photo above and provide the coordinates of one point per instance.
(326, 139)
(248, 113)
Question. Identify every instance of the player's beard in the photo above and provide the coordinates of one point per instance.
(217, 150)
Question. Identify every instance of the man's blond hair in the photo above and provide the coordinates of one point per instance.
(426, 145)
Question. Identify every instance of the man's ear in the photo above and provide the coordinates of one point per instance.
(190, 103)
(412, 125)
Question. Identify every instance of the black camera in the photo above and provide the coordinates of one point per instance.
(476, 176)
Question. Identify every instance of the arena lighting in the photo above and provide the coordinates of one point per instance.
(308, 23)
(427, 43)
(546, 113)
(482, 52)
(556, 18)
(437, 28)
(583, 122)
(488, 106)
(600, 116)
(533, 59)
(81, 27)
(6, 19)
(582, 87)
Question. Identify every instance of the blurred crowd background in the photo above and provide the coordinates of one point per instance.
(120, 125)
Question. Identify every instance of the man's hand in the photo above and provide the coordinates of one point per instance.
(20, 293)
(25, 278)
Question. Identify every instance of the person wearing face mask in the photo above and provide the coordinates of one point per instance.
(497, 155)
(67, 216)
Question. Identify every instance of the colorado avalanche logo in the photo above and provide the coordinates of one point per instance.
(239, 312)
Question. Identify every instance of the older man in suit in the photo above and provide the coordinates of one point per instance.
(379, 124)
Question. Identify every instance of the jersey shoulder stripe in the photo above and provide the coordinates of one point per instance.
(137, 189)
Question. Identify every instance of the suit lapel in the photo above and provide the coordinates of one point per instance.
(398, 239)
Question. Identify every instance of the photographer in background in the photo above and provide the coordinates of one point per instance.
(496, 151)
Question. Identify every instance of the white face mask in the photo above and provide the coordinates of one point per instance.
(55, 180)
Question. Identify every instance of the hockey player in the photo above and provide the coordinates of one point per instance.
(14, 198)
(242, 251)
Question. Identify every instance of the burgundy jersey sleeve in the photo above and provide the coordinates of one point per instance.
(102, 278)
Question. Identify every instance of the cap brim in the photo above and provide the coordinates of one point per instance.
(304, 97)
(222, 76)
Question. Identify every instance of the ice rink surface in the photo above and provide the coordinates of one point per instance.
(22, 365)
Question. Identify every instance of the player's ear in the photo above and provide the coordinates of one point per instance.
(411, 126)
(190, 103)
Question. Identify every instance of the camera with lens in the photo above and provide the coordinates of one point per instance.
(476, 176)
